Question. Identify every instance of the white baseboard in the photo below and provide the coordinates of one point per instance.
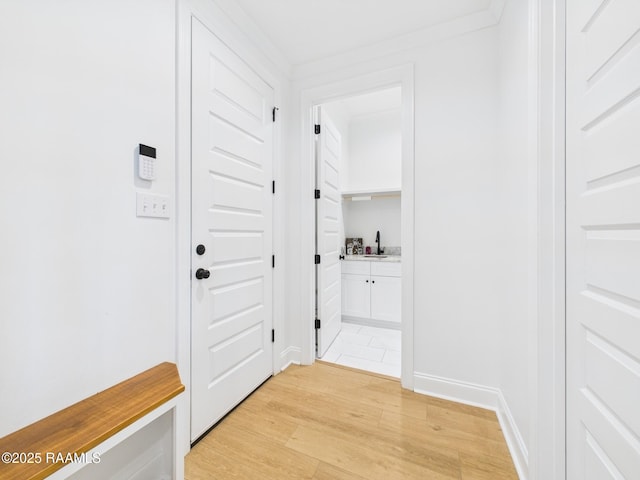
(371, 322)
(290, 355)
(512, 435)
(462, 392)
(479, 396)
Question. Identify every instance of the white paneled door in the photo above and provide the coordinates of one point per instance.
(328, 152)
(603, 239)
(231, 349)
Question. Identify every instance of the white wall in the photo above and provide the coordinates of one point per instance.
(371, 149)
(375, 150)
(86, 288)
(363, 218)
(456, 198)
(516, 275)
(456, 227)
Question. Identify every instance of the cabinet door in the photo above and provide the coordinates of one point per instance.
(386, 298)
(356, 295)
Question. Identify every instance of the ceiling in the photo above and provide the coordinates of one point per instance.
(309, 30)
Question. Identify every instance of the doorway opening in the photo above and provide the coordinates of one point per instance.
(358, 173)
(338, 89)
(400, 76)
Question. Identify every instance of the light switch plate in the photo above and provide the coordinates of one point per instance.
(152, 205)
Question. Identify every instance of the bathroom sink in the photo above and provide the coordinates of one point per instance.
(375, 256)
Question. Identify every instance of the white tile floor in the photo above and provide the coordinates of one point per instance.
(367, 348)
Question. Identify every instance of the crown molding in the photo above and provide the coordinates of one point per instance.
(420, 38)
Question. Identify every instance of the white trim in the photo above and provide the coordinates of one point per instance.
(547, 443)
(407, 219)
(457, 391)
(290, 355)
(311, 97)
(483, 397)
(183, 216)
(371, 322)
(533, 221)
(426, 36)
(513, 437)
(217, 21)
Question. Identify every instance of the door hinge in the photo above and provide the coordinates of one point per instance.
(317, 260)
(273, 261)
(317, 323)
(317, 129)
(273, 112)
(273, 335)
(316, 193)
(273, 187)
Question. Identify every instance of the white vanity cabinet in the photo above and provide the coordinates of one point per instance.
(356, 295)
(356, 289)
(385, 298)
(371, 291)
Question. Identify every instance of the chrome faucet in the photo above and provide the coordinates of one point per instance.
(378, 240)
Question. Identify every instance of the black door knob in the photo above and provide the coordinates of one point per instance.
(341, 257)
(202, 273)
(200, 249)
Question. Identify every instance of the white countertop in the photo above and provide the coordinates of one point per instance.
(363, 258)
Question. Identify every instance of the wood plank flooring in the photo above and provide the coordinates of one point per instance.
(326, 422)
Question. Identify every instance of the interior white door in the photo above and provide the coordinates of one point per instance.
(603, 239)
(328, 148)
(231, 349)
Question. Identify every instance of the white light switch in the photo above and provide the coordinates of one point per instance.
(152, 205)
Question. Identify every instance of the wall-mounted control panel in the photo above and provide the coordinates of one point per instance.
(147, 162)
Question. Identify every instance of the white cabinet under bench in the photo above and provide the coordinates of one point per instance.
(371, 292)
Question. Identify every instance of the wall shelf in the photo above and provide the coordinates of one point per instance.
(372, 192)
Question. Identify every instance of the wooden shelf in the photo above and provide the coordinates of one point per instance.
(84, 425)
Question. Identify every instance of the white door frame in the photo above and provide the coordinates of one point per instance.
(217, 21)
(311, 97)
(547, 453)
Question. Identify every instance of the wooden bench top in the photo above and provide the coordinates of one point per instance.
(84, 425)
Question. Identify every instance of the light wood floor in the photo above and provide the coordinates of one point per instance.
(326, 422)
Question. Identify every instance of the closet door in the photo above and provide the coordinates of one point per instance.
(603, 239)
